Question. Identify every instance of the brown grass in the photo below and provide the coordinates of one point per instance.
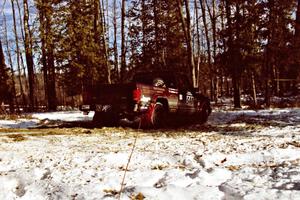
(16, 137)
(139, 196)
(44, 132)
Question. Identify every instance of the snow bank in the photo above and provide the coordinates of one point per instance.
(37, 118)
(20, 123)
(64, 116)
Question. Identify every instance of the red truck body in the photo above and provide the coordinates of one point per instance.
(150, 99)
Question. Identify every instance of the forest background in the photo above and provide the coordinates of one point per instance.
(51, 51)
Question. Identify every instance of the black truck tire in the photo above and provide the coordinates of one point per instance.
(101, 119)
(98, 119)
(206, 110)
(158, 116)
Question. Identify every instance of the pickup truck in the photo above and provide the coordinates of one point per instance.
(150, 99)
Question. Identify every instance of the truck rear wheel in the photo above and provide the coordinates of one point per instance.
(101, 119)
(159, 115)
(97, 119)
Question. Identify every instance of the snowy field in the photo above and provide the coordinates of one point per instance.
(241, 154)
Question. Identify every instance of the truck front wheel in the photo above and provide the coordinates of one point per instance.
(206, 110)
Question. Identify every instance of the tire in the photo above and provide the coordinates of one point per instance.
(98, 119)
(101, 119)
(206, 110)
(158, 116)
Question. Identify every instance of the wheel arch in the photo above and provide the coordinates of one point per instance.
(164, 102)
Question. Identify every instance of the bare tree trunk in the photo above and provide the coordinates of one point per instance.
(189, 44)
(197, 70)
(144, 39)
(52, 101)
(254, 89)
(222, 86)
(186, 26)
(106, 21)
(123, 50)
(276, 75)
(45, 11)
(268, 56)
(236, 75)
(213, 19)
(222, 15)
(230, 39)
(20, 21)
(297, 25)
(14, 99)
(267, 79)
(44, 54)
(105, 44)
(100, 36)
(236, 90)
(234, 51)
(116, 54)
(18, 52)
(215, 69)
(297, 39)
(23, 41)
(212, 15)
(88, 77)
(22, 37)
(228, 92)
(158, 60)
(29, 56)
(208, 49)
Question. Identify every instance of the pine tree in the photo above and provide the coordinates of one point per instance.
(279, 37)
(157, 39)
(46, 12)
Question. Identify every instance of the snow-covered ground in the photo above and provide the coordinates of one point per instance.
(237, 155)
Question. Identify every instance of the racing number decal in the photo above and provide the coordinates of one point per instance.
(189, 98)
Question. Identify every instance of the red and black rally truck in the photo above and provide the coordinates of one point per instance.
(150, 99)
